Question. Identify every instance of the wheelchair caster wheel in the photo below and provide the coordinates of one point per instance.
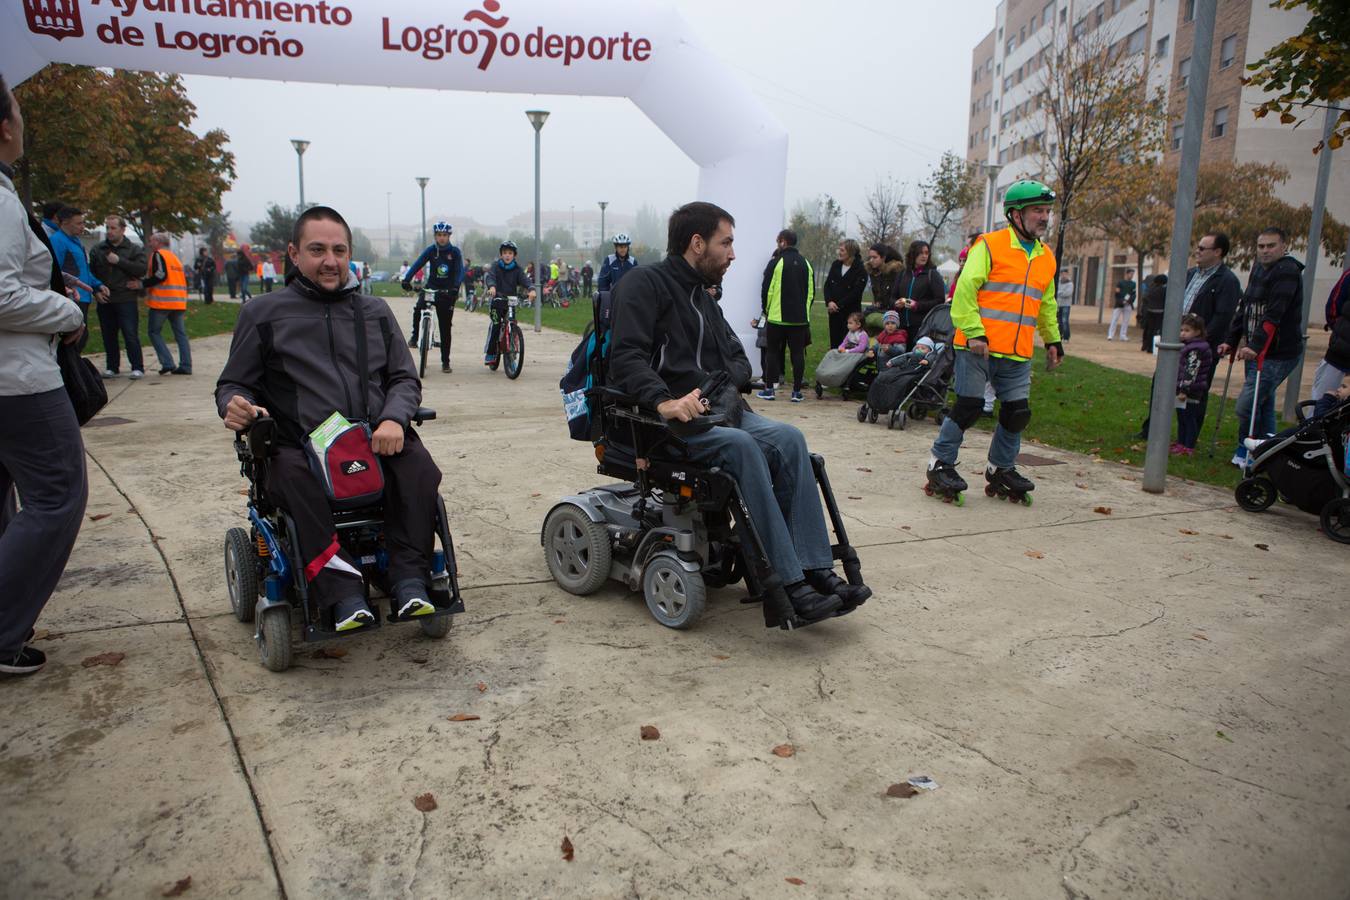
(675, 596)
(437, 627)
(577, 550)
(274, 638)
(241, 573)
(871, 417)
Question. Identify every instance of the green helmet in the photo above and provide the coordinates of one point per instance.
(1024, 193)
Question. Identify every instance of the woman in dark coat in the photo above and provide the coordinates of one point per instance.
(918, 290)
(844, 289)
(884, 265)
(1155, 301)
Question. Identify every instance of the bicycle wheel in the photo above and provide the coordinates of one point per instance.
(424, 346)
(515, 352)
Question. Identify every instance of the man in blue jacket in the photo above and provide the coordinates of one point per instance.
(71, 258)
(445, 273)
(616, 264)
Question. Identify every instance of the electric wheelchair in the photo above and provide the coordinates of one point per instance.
(267, 588)
(670, 527)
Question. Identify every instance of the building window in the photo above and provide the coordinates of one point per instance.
(984, 135)
(1099, 15)
(1047, 13)
(1176, 136)
(1022, 35)
(1137, 41)
(1185, 71)
(1079, 29)
(1220, 122)
(1190, 11)
(1228, 51)
(1163, 45)
(1010, 46)
(1115, 7)
(1064, 15)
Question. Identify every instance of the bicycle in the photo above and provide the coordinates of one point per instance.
(510, 343)
(424, 340)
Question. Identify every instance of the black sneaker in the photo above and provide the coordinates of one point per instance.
(411, 598)
(412, 342)
(809, 603)
(352, 613)
(25, 662)
(182, 371)
(826, 582)
(168, 371)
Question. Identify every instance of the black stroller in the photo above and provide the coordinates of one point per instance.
(911, 390)
(1305, 466)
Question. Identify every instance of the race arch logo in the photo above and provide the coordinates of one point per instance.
(56, 18)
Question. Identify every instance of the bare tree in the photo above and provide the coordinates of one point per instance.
(953, 186)
(883, 220)
(1100, 112)
(817, 223)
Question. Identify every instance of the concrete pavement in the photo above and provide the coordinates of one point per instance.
(1142, 702)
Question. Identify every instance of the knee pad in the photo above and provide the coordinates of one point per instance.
(1014, 415)
(966, 411)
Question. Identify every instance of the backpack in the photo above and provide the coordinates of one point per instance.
(586, 363)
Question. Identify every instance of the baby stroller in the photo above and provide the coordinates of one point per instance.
(846, 371)
(913, 389)
(1305, 466)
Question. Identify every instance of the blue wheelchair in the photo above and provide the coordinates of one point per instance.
(268, 589)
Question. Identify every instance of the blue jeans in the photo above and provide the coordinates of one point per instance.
(770, 462)
(1273, 373)
(155, 326)
(1062, 316)
(1011, 379)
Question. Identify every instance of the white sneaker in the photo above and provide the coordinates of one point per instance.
(136, 373)
(1239, 460)
(1252, 443)
(109, 373)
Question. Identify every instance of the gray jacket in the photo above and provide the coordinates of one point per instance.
(295, 354)
(31, 314)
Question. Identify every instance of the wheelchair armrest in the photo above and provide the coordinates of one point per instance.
(423, 414)
(258, 437)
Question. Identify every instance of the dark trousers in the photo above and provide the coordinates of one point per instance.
(42, 456)
(445, 319)
(208, 288)
(839, 324)
(794, 338)
(1152, 325)
(497, 310)
(586, 285)
(1188, 424)
(121, 319)
(411, 480)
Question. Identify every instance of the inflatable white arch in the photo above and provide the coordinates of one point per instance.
(640, 50)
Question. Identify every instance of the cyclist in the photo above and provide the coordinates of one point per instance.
(616, 264)
(504, 279)
(472, 275)
(445, 272)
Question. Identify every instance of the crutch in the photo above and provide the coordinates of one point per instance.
(1214, 441)
(1251, 419)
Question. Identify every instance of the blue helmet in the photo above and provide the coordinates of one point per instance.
(442, 228)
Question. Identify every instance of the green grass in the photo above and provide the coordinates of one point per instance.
(202, 321)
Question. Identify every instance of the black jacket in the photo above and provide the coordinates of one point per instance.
(669, 334)
(925, 287)
(1216, 303)
(1338, 323)
(845, 289)
(1270, 314)
(295, 354)
(130, 264)
(508, 282)
(796, 288)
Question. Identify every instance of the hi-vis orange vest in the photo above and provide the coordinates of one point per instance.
(1010, 299)
(171, 293)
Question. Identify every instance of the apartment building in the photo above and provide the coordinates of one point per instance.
(1008, 127)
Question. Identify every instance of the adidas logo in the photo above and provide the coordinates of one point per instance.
(354, 467)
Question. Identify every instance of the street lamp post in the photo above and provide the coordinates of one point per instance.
(300, 148)
(537, 118)
(422, 183)
(388, 225)
(603, 204)
(991, 170)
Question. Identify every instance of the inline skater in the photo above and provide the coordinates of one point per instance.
(617, 264)
(445, 272)
(1006, 293)
(504, 279)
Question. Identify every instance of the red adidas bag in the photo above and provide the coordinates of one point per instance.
(349, 469)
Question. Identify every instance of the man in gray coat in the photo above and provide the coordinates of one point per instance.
(41, 455)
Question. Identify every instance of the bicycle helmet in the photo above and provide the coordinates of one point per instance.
(621, 238)
(508, 245)
(442, 228)
(1022, 194)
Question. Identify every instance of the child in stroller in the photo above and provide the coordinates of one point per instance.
(913, 384)
(851, 365)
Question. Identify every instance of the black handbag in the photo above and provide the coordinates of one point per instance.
(83, 383)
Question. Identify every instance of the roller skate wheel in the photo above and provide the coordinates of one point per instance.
(990, 490)
(928, 489)
(1026, 500)
(959, 500)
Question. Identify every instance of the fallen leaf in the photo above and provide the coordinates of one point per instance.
(1081, 485)
(1187, 531)
(902, 790)
(851, 497)
(796, 881)
(720, 656)
(1128, 478)
(103, 659)
(464, 717)
(425, 802)
(559, 621)
(567, 851)
(1222, 736)
(1199, 636)
(1094, 449)
(1035, 554)
(482, 686)
(419, 660)
(864, 469)
(1263, 547)
(1104, 510)
(41, 634)
(328, 653)
(1226, 537)
(179, 888)
(650, 733)
(906, 528)
(100, 517)
(784, 751)
(535, 494)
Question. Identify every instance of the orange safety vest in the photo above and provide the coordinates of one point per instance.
(171, 293)
(1010, 299)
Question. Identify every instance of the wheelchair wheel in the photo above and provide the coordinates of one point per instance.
(1336, 520)
(577, 550)
(1255, 494)
(241, 573)
(274, 638)
(515, 352)
(437, 626)
(675, 596)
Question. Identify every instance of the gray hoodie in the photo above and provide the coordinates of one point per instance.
(32, 316)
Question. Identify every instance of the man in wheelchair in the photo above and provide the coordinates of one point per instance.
(670, 338)
(316, 348)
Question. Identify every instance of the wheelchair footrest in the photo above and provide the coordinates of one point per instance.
(444, 603)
